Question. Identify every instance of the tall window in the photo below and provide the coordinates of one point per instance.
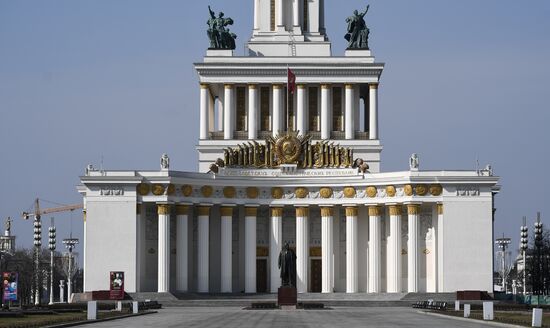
(337, 119)
(272, 15)
(306, 16)
(313, 108)
(241, 109)
(264, 109)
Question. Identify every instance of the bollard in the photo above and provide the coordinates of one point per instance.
(457, 305)
(537, 318)
(119, 306)
(488, 311)
(61, 291)
(92, 310)
(466, 310)
(135, 307)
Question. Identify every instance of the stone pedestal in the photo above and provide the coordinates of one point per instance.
(287, 296)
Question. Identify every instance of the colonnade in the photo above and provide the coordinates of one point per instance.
(227, 119)
(374, 281)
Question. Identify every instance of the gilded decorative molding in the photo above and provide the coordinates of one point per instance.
(277, 86)
(408, 190)
(229, 192)
(301, 86)
(84, 216)
(375, 210)
(349, 192)
(252, 192)
(371, 191)
(252, 86)
(395, 210)
(302, 211)
(426, 251)
(203, 211)
(277, 212)
(158, 189)
(251, 211)
(436, 190)
(207, 191)
(413, 209)
(226, 211)
(351, 211)
(440, 209)
(325, 86)
(163, 209)
(262, 251)
(228, 86)
(390, 191)
(421, 190)
(204, 86)
(171, 190)
(373, 85)
(325, 192)
(186, 190)
(277, 192)
(326, 211)
(301, 192)
(350, 86)
(182, 209)
(315, 251)
(143, 189)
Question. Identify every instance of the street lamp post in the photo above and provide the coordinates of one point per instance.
(502, 243)
(52, 246)
(70, 244)
(523, 247)
(37, 246)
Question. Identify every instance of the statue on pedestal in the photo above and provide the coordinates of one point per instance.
(358, 32)
(414, 162)
(220, 36)
(8, 226)
(287, 265)
(164, 162)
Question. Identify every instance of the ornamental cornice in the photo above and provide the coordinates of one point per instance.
(276, 72)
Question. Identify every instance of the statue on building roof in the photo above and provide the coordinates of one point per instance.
(414, 162)
(164, 162)
(220, 36)
(358, 32)
(8, 225)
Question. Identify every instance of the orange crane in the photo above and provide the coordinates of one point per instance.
(38, 212)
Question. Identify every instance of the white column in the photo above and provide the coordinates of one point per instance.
(256, 14)
(440, 235)
(203, 254)
(413, 247)
(375, 247)
(302, 249)
(182, 224)
(325, 114)
(211, 113)
(296, 16)
(204, 104)
(373, 111)
(301, 118)
(279, 14)
(163, 248)
(226, 243)
(219, 105)
(252, 112)
(250, 249)
(228, 110)
(275, 246)
(327, 249)
(352, 274)
(394, 250)
(350, 111)
(277, 109)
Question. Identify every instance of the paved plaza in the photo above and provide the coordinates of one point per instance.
(239, 318)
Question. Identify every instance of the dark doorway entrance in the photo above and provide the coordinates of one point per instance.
(261, 276)
(316, 276)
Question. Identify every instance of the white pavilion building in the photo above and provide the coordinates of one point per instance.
(289, 175)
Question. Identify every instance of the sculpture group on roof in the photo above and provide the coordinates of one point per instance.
(220, 36)
(358, 32)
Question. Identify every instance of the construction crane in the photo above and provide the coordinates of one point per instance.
(38, 212)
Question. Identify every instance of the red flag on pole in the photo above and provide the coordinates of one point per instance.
(291, 81)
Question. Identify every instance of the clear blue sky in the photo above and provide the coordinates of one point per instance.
(84, 80)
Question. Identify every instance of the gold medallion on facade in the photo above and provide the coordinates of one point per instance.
(207, 191)
(288, 149)
(158, 189)
(252, 192)
(390, 191)
(171, 190)
(349, 192)
(325, 192)
(408, 190)
(301, 192)
(371, 191)
(143, 189)
(421, 190)
(436, 189)
(229, 192)
(186, 190)
(277, 192)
